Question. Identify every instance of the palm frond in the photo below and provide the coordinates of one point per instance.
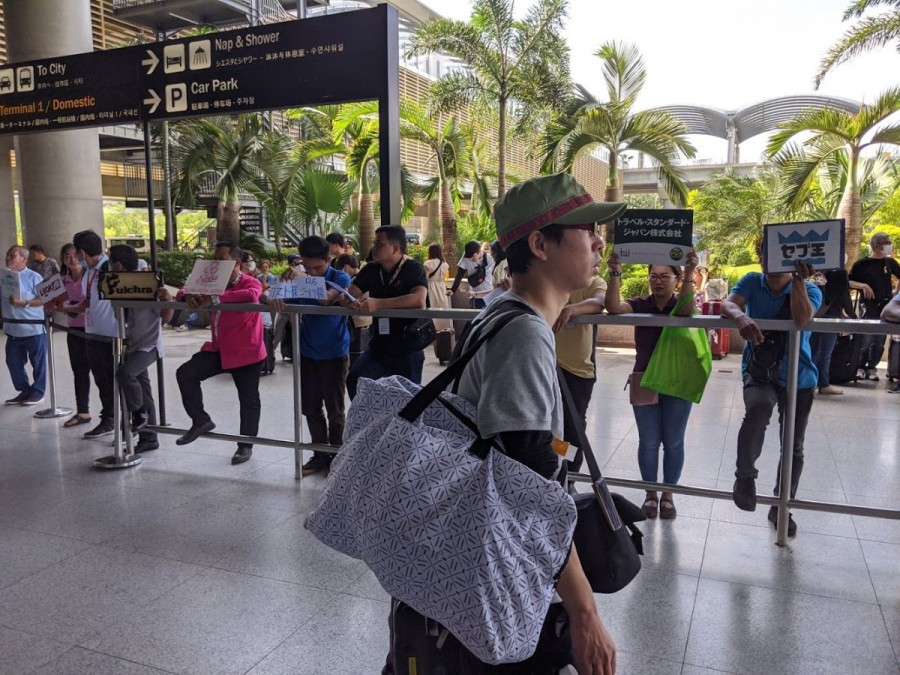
(870, 33)
(623, 70)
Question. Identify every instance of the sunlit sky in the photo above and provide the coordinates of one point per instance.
(720, 53)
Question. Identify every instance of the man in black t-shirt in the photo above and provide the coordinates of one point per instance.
(390, 281)
(873, 277)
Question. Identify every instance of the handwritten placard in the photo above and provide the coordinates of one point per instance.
(51, 288)
(654, 236)
(306, 288)
(209, 277)
(819, 243)
(9, 285)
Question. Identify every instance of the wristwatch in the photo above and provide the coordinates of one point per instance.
(615, 273)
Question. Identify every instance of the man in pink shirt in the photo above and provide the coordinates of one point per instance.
(237, 347)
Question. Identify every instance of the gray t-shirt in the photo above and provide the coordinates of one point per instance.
(142, 331)
(512, 378)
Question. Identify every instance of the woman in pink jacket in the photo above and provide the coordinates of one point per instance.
(237, 347)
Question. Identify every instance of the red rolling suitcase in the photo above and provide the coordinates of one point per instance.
(719, 338)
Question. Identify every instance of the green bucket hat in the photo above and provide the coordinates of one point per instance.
(538, 202)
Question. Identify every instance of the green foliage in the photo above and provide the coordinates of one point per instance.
(729, 212)
(643, 201)
(474, 227)
(887, 215)
(175, 266)
(587, 123)
(634, 287)
(417, 252)
(869, 33)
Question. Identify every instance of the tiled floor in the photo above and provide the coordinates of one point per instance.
(187, 564)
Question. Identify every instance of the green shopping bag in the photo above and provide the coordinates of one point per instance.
(681, 361)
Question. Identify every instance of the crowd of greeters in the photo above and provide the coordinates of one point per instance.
(549, 267)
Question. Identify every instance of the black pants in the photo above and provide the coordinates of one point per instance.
(268, 366)
(581, 389)
(760, 399)
(102, 365)
(323, 383)
(871, 347)
(134, 382)
(81, 369)
(204, 365)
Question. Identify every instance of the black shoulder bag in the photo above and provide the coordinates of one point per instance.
(608, 542)
(764, 364)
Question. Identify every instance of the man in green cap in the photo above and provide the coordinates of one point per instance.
(548, 228)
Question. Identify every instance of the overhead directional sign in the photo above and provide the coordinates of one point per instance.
(337, 58)
(330, 58)
(83, 90)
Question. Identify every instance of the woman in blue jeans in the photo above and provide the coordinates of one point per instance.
(836, 304)
(661, 419)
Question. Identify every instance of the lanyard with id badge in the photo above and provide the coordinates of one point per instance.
(384, 323)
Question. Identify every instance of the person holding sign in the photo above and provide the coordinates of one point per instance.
(324, 354)
(24, 342)
(661, 419)
(236, 347)
(391, 281)
(764, 367)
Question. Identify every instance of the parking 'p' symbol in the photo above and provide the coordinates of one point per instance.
(176, 97)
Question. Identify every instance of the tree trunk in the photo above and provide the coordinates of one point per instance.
(501, 149)
(448, 227)
(614, 193)
(850, 209)
(366, 223)
(228, 221)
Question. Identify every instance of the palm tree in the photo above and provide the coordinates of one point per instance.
(870, 33)
(588, 123)
(835, 132)
(226, 156)
(507, 61)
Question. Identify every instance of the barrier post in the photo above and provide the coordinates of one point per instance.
(119, 459)
(298, 406)
(53, 411)
(787, 436)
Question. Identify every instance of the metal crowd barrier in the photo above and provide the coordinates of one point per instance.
(124, 458)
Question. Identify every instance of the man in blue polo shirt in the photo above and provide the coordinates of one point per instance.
(24, 341)
(764, 369)
(324, 356)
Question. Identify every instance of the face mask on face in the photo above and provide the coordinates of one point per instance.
(251, 266)
(887, 249)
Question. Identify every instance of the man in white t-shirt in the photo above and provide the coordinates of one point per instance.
(478, 270)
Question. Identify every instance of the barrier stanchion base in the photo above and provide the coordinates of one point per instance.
(113, 462)
(51, 413)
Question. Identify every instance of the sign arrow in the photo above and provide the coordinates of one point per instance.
(153, 101)
(151, 63)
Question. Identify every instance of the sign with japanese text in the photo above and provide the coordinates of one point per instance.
(819, 243)
(654, 236)
(209, 277)
(10, 286)
(305, 287)
(51, 288)
(130, 285)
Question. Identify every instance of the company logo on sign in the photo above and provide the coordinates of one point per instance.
(129, 285)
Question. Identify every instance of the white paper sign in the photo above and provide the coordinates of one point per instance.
(818, 243)
(51, 288)
(209, 277)
(9, 285)
(307, 288)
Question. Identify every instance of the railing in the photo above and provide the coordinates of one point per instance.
(784, 501)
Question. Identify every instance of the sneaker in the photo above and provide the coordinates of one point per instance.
(16, 400)
(872, 374)
(139, 419)
(830, 390)
(319, 463)
(895, 389)
(773, 518)
(103, 429)
(34, 399)
(861, 374)
(744, 494)
(181, 328)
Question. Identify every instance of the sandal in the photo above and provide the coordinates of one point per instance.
(650, 505)
(667, 508)
(75, 420)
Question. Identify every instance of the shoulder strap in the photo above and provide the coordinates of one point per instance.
(430, 392)
(583, 443)
(435, 270)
